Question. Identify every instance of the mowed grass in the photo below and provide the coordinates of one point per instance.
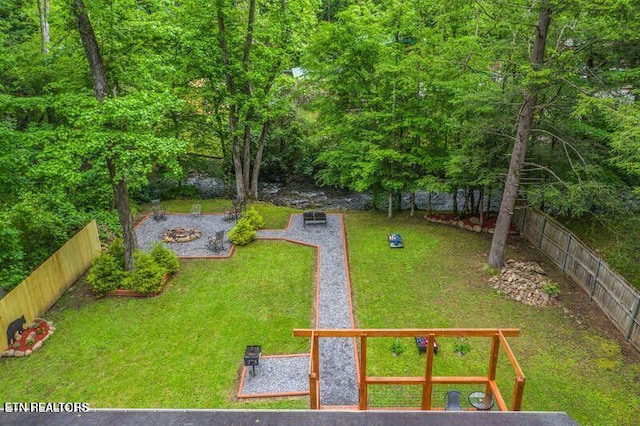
(275, 217)
(437, 281)
(182, 349)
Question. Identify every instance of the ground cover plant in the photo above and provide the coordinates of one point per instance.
(182, 349)
(572, 359)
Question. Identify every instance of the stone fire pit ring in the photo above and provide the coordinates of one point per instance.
(181, 235)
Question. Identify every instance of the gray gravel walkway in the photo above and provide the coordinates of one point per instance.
(338, 376)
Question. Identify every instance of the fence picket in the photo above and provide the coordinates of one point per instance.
(613, 294)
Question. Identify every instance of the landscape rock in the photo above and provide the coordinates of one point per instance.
(524, 282)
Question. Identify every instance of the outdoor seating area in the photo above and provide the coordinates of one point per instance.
(314, 218)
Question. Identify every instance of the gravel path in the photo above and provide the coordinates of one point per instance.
(338, 376)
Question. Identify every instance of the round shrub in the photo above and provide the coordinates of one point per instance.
(116, 250)
(147, 275)
(242, 233)
(255, 219)
(105, 275)
(165, 257)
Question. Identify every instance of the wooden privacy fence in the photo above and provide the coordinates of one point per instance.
(40, 290)
(427, 380)
(611, 292)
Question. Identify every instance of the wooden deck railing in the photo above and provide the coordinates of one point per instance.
(427, 380)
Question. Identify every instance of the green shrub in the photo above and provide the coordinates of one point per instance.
(116, 250)
(254, 218)
(147, 275)
(105, 275)
(462, 346)
(165, 257)
(551, 289)
(243, 233)
(397, 347)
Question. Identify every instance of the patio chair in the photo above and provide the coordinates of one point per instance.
(453, 401)
(216, 243)
(196, 209)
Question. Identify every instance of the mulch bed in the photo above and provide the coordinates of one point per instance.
(31, 339)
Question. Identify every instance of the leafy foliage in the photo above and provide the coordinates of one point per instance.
(165, 257)
(106, 274)
(147, 275)
(107, 271)
(243, 232)
(254, 218)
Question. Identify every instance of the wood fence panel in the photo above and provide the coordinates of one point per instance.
(40, 290)
(611, 292)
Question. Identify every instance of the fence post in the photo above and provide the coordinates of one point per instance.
(566, 254)
(594, 280)
(634, 315)
(544, 225)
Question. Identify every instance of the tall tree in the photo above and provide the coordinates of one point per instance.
(256, 43)
(524, 123)
(101, 91)
(43, 12)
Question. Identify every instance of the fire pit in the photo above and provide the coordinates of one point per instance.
(181, 235)
(252, 357)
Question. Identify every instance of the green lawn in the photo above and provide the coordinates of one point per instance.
(437, 281)
(184, 348)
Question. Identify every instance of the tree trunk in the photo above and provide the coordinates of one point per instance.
(413, 203)
(455, 202)
(233, 107)
(481, 207)
(92, 51)
(101, 91)
(525, 121)
(257, 162)
(123, 206)
(390, 205)
(43, 12)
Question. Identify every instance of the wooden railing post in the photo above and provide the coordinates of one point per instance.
(517, 394)
(364, 403)
(315, 373)
(493, 362)
(427, 387)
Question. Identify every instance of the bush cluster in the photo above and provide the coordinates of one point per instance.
(107, 271)
(245, 230)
